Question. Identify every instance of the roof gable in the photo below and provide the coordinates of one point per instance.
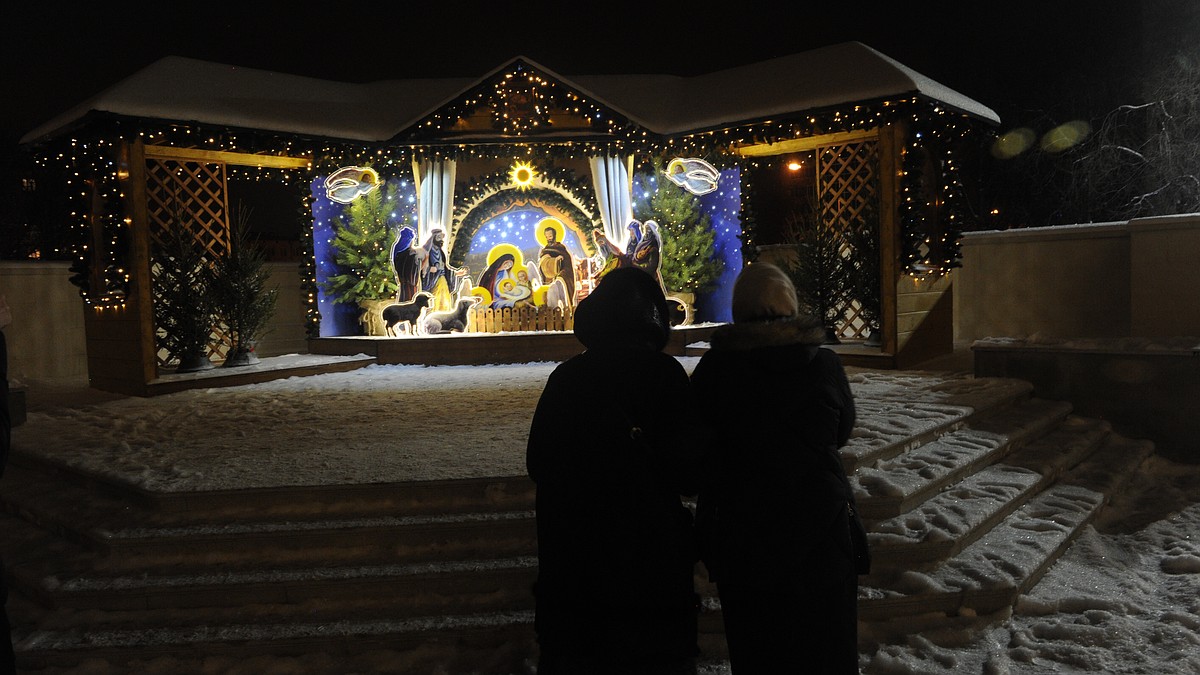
(520, 99)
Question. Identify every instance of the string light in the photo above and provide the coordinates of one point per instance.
(522, 106)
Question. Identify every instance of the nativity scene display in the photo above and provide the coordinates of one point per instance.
(523, 267)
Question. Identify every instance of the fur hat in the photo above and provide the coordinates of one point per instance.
(762, 292)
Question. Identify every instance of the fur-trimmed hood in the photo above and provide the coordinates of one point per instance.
(803, 330)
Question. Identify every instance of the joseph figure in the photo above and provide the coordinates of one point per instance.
(555, 262)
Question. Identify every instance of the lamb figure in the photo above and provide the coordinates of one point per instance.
(451, 320)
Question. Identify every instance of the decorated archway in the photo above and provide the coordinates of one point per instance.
(510, 216)
(555, 196)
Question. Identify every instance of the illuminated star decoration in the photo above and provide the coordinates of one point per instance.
(694, 175)
(522, 175)
(350, 182)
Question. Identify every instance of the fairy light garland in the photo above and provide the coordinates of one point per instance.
(97, 209)
(933, 213)
(520, 102)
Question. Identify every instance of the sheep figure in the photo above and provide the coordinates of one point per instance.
(454, 320)
(408, 313)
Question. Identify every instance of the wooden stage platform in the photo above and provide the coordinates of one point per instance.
(462, 349)
(483, 348)
(340, 354)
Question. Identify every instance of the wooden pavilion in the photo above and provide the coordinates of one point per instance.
(165, 146)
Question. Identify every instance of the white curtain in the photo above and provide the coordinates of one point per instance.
(435, 196)
(613, 180)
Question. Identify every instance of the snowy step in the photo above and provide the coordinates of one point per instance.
(942, 526)
(1108, 469)
(993, 571)
(337, 542)
(896, 486)
(1052, 455)
(462, 495)
(134, 536)
(885, 429)
(900, 411)
(977, 393)
(957, 516)
(62, 507)
(454, 587)
(499, 642)
(34, 478)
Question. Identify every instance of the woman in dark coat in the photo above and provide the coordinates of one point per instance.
(775, 524)
(610, 452)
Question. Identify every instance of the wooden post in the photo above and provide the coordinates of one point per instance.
(891, 167)
(140, 259)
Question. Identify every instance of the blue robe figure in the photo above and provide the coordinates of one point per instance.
(406, 262)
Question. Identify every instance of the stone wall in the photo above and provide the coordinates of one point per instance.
(1136, 278)
(1062, 281)
(46, 340)
(46, 337)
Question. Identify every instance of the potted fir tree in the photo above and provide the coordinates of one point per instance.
(689, 266)
(819, 273)
(243, 303)
(864, 274)
(363, 253)
(183, 311)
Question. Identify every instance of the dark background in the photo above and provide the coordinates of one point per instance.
(1037, 64)
(1066, 55)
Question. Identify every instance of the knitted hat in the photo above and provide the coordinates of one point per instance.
(763, 292)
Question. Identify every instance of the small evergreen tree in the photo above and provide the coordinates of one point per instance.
(862, 267)
(183, 310)
(819, 272)
(689, 263)
(363, 246)
(238, 281)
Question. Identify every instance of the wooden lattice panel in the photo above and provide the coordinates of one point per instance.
(190, 195)
(847, 190)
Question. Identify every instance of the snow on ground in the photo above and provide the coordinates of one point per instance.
(375, 424)
(1124, 599)
(381, 423)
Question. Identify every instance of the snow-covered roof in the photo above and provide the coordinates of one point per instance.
(821, 78)
(189, 90)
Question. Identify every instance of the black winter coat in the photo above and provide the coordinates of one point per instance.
(779, 406)
(616, 545)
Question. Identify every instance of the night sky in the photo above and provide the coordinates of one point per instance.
(1075, 58)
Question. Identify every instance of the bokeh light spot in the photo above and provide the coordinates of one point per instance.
(1065, 136)
(1013, 143)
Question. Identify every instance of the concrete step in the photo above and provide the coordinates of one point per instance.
(895, 486)
(436, 577)
(949, 522)
(499, 643)
(958, 515)
(395, 591)
(409, 539)
(992, 572)
(33, 476)
(133, 536)
(1111, 467)
(880, 434)
(1011, 557)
